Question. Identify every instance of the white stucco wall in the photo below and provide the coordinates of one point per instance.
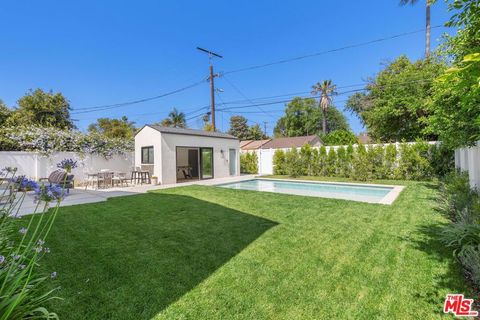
(220, 161)
(468, 159)
(145, 138)
(35, 166)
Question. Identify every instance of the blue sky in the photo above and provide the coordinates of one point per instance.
(105, 52)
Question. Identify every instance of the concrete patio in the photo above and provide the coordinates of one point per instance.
(82, 196)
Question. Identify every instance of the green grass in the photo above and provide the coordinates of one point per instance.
(201, 252)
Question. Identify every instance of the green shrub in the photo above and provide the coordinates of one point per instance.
(442, 159)
(293, 163)
(249, 162)
(322, 161)
(279, 166)
(342, 164)
(390, 161)
(361, 167)
(456, 196)
(375, 155)
(331, 163)
(461, 204)
(413, 163)
(349, 156)
(306, 159)
(316, 167)
(470, 259)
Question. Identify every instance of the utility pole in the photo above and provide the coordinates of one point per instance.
(212, 94)
(265, 128)
(211, 78)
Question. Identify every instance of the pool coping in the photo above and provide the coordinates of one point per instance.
(387, 200)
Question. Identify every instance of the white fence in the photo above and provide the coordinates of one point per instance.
(265, 156)
(468, 159)
(35, 166)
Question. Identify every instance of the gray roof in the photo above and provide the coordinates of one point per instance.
(289, 142)
(192, 132)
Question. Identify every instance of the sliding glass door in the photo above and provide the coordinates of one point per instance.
(206, 163)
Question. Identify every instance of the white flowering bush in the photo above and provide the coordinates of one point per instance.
(47, 140)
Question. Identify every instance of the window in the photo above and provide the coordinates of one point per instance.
(147, 155)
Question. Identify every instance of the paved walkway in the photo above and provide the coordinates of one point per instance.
(82, 196)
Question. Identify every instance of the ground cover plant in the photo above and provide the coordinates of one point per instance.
(461, 205)
(201, 252)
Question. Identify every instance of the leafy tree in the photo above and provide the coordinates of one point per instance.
(208, 127)
(427, 24)
(114, 128)
(395, 105)
(175, 119)
(456, 99)
(239, 127)
(302, 117)
(42, 108)
(280, 128)
(256, 133)
(340, 137)
(326, 90)
(5, 112)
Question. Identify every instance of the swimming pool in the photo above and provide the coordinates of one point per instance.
(349, 191)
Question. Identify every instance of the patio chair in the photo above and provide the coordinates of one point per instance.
(60, 178)
(106, 178)
(120, 178)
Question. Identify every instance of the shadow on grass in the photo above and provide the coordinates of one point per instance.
(452, 280)
(130, 257)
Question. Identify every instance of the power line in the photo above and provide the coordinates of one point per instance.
(362, 44)
(122, 104)
(254, 104)
(243, 95)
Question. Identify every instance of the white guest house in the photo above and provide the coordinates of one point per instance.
(177, 155)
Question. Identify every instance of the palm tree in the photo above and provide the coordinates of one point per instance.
(326, 90)
(175, 119)
(427, 28)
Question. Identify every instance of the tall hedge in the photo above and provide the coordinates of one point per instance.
(249, 163)
(410, 161)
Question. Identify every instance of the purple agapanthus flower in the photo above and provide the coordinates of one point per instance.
(23, 230)
(28, 184)
(67, 164)
(48, 193)
(2, 259)
(53, 274)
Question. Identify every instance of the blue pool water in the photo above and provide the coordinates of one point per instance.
(363, 193)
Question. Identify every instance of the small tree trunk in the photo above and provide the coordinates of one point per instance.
(324, 121)
(427, 33)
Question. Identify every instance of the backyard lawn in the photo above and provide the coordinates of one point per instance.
(201, 252)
